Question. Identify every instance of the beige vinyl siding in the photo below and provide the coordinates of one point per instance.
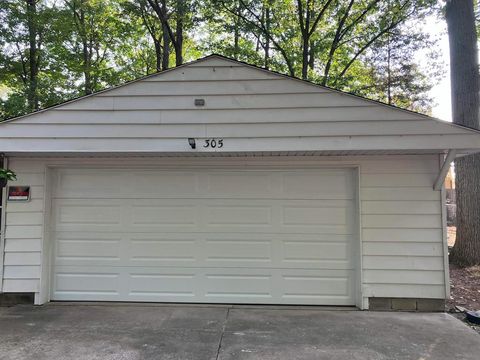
(240, 87)
(206, 116)
(248, 107)
(227, 101)
(402, 229)
(24, 229)
(401, 233)
(230, 130)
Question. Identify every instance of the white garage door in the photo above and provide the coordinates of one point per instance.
(217, 236)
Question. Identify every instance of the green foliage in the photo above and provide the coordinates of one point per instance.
(95, 34)
(367, 47)
(397, 79)
(7, 174)
(14, 58)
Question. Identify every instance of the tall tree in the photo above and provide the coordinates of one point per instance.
(94, 29)
(173, 17)
(327, 41)
(367, 23)
(140, 50)
(309, 17)
(24, 31)
(141, 10)
(27, 72)
(393, 75)
(228, 34)
(465, 111)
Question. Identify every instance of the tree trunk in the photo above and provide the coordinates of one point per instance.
(268, 22)
(166, 48)
(305, 53)
(465, 109)
(236, 37)
(389, 72)
(178, 44)
(158, 54)
(306, 42)
(389, 64)
(236, 34)
(86, 53)
(311, 56)
(32, 96)
(86, 44)
(304, 25)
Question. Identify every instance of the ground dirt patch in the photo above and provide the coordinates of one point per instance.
(465, 290)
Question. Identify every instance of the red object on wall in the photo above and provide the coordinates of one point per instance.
(18, 193)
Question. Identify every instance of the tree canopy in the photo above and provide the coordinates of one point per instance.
(54, 50)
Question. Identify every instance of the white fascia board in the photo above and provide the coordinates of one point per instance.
(436, 143)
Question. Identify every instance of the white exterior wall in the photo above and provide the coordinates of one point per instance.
(402, 237)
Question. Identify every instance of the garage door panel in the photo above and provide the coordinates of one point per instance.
(233, 284)
(147, 184)
(202, 215)
(99, 215)
(308, 251)
(238, 215)
(162, 251)
(96, 215)
(239, 251)
(164, 284)
(315, 215)
(116, 183)
(81, 183)
(329, 184)
(287, 286)
(164, 215)
(228, 285)
(311, 284)
(70, 283)
(87, 248)
(205, 235)
(241, 185)
(205, 249)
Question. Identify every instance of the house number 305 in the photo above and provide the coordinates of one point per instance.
(213, 143)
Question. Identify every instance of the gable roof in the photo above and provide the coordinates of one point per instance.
(257, 110)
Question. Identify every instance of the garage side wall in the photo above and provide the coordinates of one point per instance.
(24, 230)
(400, 217)
(402, 229)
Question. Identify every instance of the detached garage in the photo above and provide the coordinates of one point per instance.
(219, 182)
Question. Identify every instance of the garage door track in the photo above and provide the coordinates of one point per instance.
(129, 331)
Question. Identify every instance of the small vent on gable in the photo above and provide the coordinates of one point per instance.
(199, 102)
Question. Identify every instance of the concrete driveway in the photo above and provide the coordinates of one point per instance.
(132, 331)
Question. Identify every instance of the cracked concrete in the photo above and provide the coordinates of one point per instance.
(143, 331)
